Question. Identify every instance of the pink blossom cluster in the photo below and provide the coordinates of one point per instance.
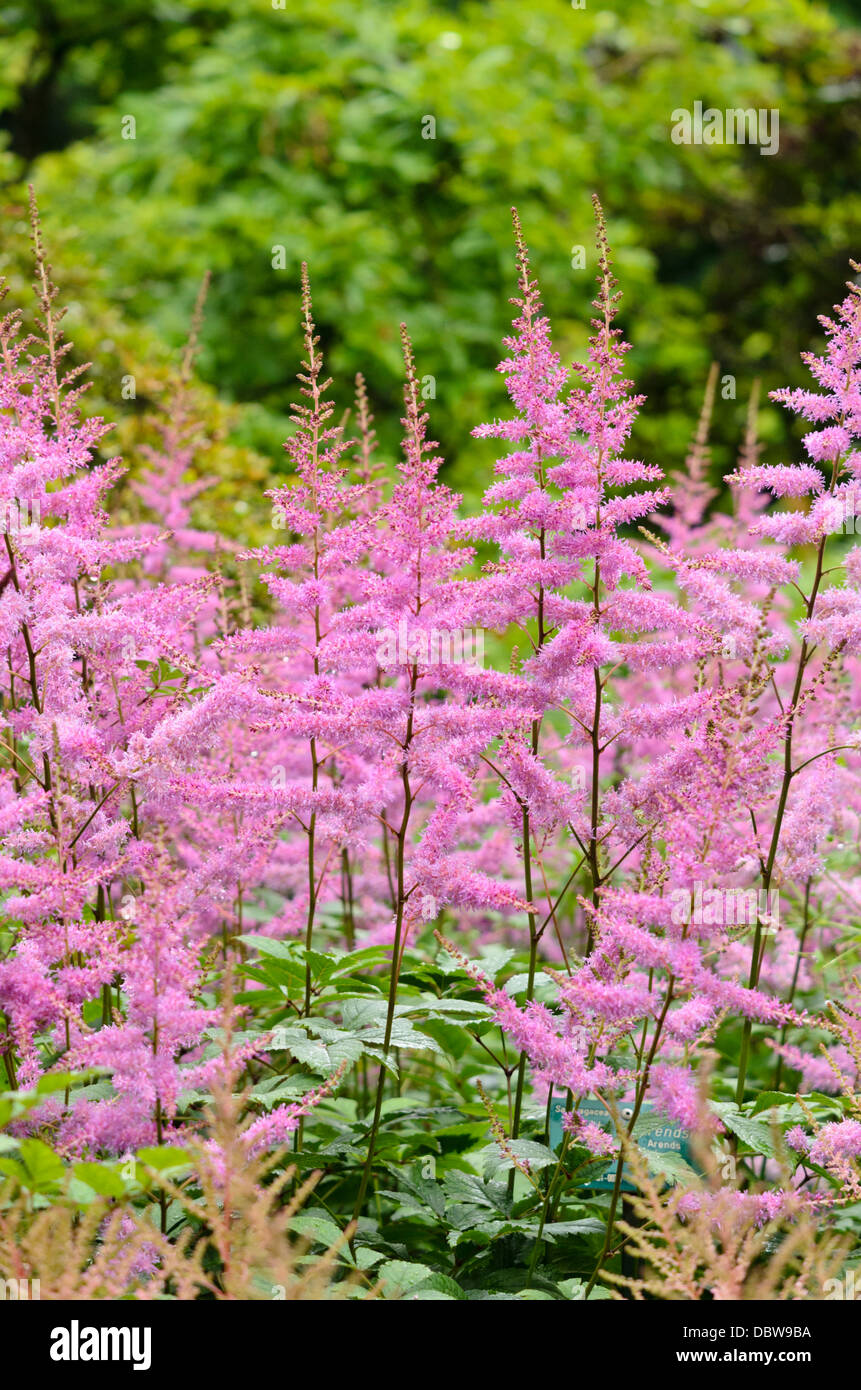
(181, 765)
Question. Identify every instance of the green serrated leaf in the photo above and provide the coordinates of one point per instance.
(537, 1156)
(100, 1178)
(398, 1277)
(753, 1133)
(163, 1159)
(44, 1168)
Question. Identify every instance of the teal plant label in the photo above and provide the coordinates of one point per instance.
(654, 1134)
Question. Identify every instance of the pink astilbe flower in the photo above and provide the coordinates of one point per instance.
(674, 1091)
(597, 1140)
(81, 652)
(271, 1130)
(264, 760)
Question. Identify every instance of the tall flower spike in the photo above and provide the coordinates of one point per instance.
(161, 487)
(61, 391)
(692, 492)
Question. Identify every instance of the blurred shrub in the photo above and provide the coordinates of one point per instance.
(384, 142)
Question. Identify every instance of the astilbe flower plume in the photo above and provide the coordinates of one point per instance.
(209, 751)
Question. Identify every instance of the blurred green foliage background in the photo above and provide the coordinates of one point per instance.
(304, 128)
